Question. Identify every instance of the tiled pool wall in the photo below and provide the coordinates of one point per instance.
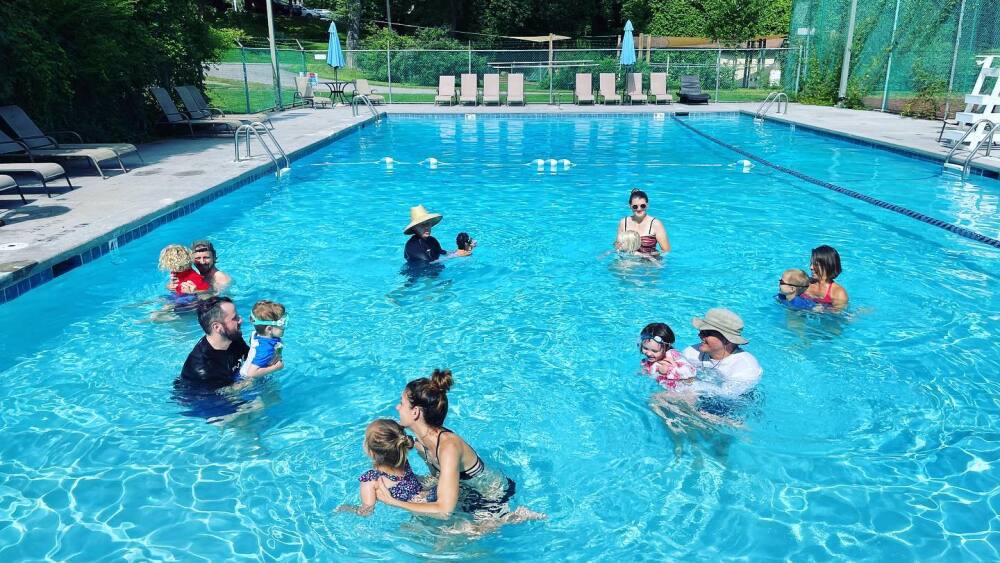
(13, 288)
(41, 273)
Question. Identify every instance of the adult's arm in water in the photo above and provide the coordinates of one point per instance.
(661, 235)
(447, 488)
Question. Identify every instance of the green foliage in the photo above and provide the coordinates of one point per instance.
(86, 64)
(931, 88)
(411, 64)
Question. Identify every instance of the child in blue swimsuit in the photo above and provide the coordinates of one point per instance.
(791, 286)
(269, 320)
(387, 444)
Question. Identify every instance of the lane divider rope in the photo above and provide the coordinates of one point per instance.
(951, 227)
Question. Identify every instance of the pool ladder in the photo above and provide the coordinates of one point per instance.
(989, 127)
(273, 149)
(371, 107)
(770, 100)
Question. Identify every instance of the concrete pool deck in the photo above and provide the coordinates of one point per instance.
(52, 233)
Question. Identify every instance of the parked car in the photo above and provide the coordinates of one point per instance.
(321, 13)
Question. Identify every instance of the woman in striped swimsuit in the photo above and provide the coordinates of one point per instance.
(650, 229)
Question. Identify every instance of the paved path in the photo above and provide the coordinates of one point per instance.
(260, 73)
(178, 171)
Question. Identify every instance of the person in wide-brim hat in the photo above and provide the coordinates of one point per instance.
(723, 321)
(422, 247)
(420, 217)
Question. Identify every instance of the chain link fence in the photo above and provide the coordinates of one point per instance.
(914, 57)
(244, 80)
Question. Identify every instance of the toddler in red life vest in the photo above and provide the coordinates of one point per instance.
(176, 259)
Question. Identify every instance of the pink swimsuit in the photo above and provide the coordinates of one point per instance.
(825, 300)
(680, 371)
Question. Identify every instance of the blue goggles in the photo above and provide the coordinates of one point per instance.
(280, 323)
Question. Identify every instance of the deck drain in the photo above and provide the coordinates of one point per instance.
(147, 172)
(13, 245)
(188, 173)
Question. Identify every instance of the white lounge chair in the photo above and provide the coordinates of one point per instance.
(470, 89)
(8, 183)
(633, 88)
(446, 90)
(45, 172)
(608, 94)
(491, 89)
(515, 89)
(361, 88)
(304, 93)
(584, 91)
(658, 88)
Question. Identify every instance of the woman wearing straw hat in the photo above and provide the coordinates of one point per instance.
(422, 247)
(726, 371)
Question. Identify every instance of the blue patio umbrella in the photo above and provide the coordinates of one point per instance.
(628, 46)
(334, 54)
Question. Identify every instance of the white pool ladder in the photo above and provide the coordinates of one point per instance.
(988, 130)
(273, 150)
(367, 102)
(771, 99)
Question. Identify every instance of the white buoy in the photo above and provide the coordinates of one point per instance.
(552, 164)
(432, 163)
(539, 163)
(746, 164)
(388, 161)
(565, 163)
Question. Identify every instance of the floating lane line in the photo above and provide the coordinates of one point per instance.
(951, 227)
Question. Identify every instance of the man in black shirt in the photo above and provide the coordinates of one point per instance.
(216, 359)
(422, 247)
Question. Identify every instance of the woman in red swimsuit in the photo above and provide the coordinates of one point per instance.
(825, 267)
(650, 229)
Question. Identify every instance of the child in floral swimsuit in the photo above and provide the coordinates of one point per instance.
(660, 359)
(387, 444)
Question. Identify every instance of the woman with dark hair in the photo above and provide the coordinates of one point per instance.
(464, 482)
(825, 267)
(650, 229)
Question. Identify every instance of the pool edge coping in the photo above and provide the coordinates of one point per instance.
(19, 281)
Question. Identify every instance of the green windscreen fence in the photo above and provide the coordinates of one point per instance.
(904, 52)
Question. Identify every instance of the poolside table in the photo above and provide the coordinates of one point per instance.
(337, 88)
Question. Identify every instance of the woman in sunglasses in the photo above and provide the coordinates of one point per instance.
(650, 229)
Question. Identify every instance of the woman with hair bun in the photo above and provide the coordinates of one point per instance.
(650, 229)
(464, 482)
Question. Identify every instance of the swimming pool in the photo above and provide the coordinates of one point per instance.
(876, 437)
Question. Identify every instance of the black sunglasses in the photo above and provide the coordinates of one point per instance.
(639, 206)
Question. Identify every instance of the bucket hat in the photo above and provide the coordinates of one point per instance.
(724, 321)
(420, 216)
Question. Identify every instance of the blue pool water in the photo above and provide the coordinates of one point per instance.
(876, 437)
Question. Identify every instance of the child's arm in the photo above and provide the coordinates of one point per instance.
(367, 501)
(674, 366)
(257, 371)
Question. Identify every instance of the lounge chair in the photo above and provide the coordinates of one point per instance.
(658, 88)
(43, 171)
(608, 93)
(491, 89)
(8, 183)
(304, 93)
(31, 136)
(175, 117)
(470, 89)
(9, 147)
(515, 89)
(584, 91)
(361, 88)
(691, 91)
(198, 108)
(633, 88)
(446, 90)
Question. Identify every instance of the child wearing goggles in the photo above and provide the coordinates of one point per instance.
(269, 320)
(660, 359)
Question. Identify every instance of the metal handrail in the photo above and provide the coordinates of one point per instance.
(368, 102)
(988, 138)
(256, 128)
(771, 99)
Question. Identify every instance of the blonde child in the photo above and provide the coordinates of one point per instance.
(661, 360)
(791, 286)
(176, 259)
(628, 242)
(269, 320)
(387, 444)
